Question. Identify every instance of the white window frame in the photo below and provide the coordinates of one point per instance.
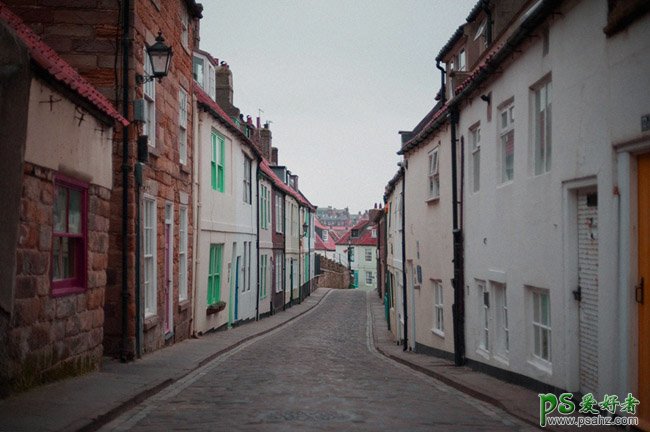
(149, 96)
(542, 129)
(279, 273)
(475, 148)
(484, 313)
(368, 254)
(433, 176)
(438, 309)
(369, 277)
(502, 346)
(325, 235)
(506, 122)
(182, 253)
(182, 126)
(185, 27)
(279, 216)
(541, 326)
(248, 169)
(462, 60)
(149, 255)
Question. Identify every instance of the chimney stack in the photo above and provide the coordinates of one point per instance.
(265, 142)
(274, 155)
(224, 84)
(294, 181)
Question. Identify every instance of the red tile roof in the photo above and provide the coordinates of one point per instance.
(365, 239)
(266, 169)
(326, 246)
(48, 60)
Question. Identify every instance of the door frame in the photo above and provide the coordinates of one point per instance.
(169, 269)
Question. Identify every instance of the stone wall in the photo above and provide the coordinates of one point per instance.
(51, 337)
(333, 274)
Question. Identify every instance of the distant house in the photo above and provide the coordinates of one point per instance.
(57, 134)
(325, 243)
(360, 246)
(393, 199)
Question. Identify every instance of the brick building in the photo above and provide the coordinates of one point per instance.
(147, 306)
(56, 146)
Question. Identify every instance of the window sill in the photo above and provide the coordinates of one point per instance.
(432, 200)
(150, 322)
(504, 184)
(438, 332)
(483, 353)
(541, 365)
(502, 358)
(183, 305)
(154, 151)
(185, 168)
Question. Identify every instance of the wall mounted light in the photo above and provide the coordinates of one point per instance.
(160, 56)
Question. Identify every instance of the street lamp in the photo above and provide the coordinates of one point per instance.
(160, 56)
(305, 227)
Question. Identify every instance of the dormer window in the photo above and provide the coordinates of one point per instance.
(481, 30)
(462, 61)
(197, 70)
(325, 235)
(355, 233)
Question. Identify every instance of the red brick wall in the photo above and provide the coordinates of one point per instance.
(50, 337)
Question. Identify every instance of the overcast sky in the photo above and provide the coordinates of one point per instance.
(338, 79)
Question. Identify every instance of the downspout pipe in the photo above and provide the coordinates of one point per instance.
(405, 308)
(257, 241)
(443, 88)
(459, 298)
(125, 181)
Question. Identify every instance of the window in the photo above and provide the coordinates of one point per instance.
(370, 278)
(475, 143)
(462, 61)
(542, 128)
(438, 311)
(149, 91)
(246, 269)
(279, 274)
(507, 146)
(325, 235)
(354, 233)
(214, 273)
(541, 325)
(368, 254)
(69, 233)
(279, 213)
(434, 179)
(182, 126)
(185, 27)
(197, 70)
(182, 254)
(373, 233)
(503, 332)
(351, 253)
(264, 207)
(247, 180)
(263, 275)
(149, 244)
(218, 161)
(484, 299)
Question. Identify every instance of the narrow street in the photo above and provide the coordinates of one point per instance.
(322, 374)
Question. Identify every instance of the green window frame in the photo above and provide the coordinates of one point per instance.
(264, 259)
(218, 162)
(214, 274)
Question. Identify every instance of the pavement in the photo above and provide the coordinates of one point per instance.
(88, 402)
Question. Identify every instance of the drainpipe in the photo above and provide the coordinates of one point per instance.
(404, 258)
(284, 258)
(196, 199)
(443, 89)
(125, 180)
(459, 298)
(257, 242)
(300, 248)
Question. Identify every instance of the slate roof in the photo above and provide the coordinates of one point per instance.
(58, 69)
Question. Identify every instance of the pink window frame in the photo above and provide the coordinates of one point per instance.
(79, 283)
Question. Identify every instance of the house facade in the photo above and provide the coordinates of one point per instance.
(395, 278)
(360, 246)
(58, 132)
(543, 107)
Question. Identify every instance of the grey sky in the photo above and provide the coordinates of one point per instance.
(338, 79)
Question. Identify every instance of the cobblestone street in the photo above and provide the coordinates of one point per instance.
(319, 372)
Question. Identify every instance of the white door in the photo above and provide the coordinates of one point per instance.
(587, 292)
(246, 297)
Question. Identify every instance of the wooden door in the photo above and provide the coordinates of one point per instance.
(644, 303)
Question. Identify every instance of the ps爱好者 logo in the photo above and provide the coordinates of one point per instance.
(610, 411)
